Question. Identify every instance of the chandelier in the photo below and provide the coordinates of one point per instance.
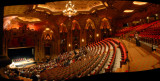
(69, 11)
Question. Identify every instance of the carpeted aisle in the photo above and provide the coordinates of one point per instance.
(140, 59)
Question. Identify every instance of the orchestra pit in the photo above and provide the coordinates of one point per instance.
(79, 40)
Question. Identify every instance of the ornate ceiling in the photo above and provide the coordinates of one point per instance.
(80, 6)
(16, 9)
(111, 9)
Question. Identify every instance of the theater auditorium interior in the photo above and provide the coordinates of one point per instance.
(50, 40)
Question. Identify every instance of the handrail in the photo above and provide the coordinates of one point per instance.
(126, 50)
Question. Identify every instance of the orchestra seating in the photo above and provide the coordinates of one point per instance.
(108, 55)
(104, 56)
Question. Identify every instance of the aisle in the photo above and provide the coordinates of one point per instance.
(140, 59)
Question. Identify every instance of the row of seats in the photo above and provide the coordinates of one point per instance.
(104, 56)
(138, 28)
(149, 32)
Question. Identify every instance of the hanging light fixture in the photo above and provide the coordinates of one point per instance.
(69, 11)
(139, 3)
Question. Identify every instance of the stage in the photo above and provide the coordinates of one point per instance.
(22, 64)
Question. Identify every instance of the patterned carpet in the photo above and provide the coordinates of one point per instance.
(140, 59)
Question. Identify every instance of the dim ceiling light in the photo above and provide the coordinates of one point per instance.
(139, 3)
(128, 11)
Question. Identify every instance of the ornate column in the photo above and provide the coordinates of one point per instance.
(5, 44)
(52, 49)
(3, 59)
(37, 58)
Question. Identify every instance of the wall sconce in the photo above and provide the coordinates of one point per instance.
(140, 20)
(97, 35)
(82, 40)
(110, 29)
(47, 28)
(147, 17)
(69, 45)
(90, 36)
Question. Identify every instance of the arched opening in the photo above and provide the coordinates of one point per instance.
(75, 34)
(90, 31)
(47, 37)
(63, 38)
(105, 28)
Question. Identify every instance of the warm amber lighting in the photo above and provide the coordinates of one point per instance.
(101, 8)
(7, 21)
(31, 26)
(110, 29)
(69, 45)
(29, 19)
(135, 21)
(42, 6)
(48, 12)
(69, 11)
(15, 26)
(147, 17)
(82, 40)
(90, 36)
(93, 11)
(128, 11)
(40, 10)
(156, 14)
(139, 3)
(34, 6)
(105, 3)
(47, 29)
(97, 35)
(140, 20)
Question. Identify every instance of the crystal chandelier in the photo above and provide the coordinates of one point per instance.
(69, 11)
